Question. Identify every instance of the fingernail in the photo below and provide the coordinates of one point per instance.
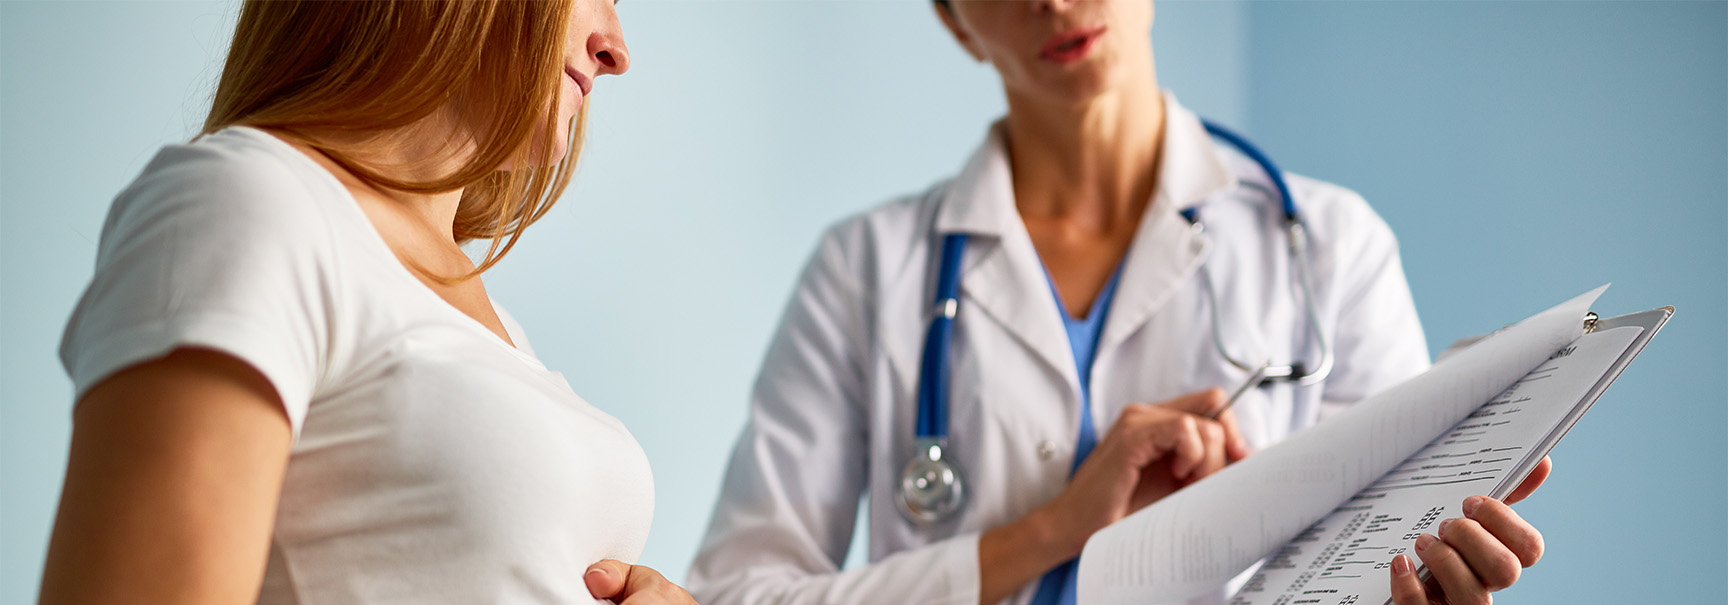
(594, 572)
(1444, 525)
(1471, 504)
(1425, 541)
(1401, 566)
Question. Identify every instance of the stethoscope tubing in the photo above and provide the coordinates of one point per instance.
(931, 461)
(938, 338)
(1297, 235)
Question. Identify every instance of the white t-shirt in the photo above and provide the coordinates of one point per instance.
(432, 461)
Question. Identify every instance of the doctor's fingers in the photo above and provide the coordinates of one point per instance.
(1215, 443)
(1200, 403)
(1507, 528)
(1149, 434)
(1235, 446)
(1209, 405)
(1492, 562)
(1452, 572)
(1406, 585)
(1531, 482)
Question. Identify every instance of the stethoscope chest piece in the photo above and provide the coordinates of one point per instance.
(932, 486)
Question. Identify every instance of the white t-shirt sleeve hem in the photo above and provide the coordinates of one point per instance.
(233, 335)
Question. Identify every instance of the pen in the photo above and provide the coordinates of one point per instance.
(1253, 380)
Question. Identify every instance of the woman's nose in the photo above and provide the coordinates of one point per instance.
(606, 47)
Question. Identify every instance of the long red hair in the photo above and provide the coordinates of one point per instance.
(370, 67)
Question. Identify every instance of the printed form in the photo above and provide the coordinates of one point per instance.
(1328, 508)
(1344, 559)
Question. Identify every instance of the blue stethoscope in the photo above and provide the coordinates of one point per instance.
(933, 486)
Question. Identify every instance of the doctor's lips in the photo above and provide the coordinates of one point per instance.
(1071, 45)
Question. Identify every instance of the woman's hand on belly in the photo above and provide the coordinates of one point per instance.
(1151, 451)
(627, 584)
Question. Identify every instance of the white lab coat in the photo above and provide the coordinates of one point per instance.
(832, 415)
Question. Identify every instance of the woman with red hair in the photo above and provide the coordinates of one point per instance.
(292, 386)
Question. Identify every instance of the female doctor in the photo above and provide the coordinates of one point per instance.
(1093, 217)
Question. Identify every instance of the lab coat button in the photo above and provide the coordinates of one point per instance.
(1046, 449)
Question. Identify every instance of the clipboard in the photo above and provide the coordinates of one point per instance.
(1651, 321)
(1361, 488)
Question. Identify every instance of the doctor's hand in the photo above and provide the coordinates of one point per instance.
(1470, 557)
(627, 584)
(1151, 451)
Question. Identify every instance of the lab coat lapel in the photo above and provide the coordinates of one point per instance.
(1004, 277)
(1166, 249)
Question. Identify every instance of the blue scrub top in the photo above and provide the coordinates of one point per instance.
(1057, 587)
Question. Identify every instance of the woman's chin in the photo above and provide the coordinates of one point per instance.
(560, 147)
(530, 156)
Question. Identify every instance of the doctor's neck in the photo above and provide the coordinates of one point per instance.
(1090, 162)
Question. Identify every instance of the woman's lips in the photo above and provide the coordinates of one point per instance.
(583, 82)
(1072, 45)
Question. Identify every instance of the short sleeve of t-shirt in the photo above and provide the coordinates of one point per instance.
(218, 245)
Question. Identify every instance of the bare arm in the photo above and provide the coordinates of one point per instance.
(172, 485)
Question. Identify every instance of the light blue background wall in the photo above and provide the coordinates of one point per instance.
(1522, 151)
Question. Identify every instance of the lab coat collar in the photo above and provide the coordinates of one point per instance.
(1002, 274)
(1005, 277)
(1167, 249)
(1193, 167)
(980, 200)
